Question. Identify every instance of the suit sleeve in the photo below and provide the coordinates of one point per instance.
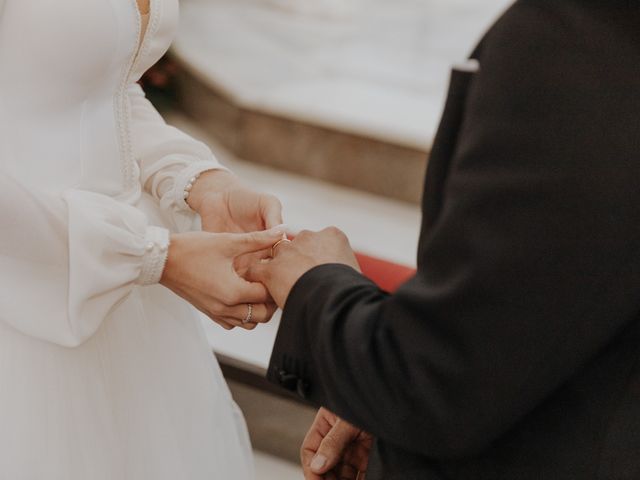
(529, 271)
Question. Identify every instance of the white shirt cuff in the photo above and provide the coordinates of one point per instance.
(155, 256)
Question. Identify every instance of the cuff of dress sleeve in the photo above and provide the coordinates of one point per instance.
(155, 256)
(187, 176)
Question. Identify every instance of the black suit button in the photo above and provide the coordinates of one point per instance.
(288, 380)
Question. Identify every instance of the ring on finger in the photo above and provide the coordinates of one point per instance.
(249, 316)
(275, 245)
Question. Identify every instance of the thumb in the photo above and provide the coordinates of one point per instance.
(333, 447)
(272, 212)
(255, 241)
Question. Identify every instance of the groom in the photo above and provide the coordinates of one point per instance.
(514, 353)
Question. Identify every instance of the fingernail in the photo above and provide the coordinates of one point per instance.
(318, 462)
(279, 232)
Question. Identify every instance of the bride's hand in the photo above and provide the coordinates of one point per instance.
(226, 205)
(200, 268)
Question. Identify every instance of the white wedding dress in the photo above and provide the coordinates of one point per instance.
(104, 375)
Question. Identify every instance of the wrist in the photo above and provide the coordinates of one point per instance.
(185, 250)
(175, 257)
(209, 182)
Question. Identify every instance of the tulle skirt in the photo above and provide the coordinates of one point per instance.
(143, 399)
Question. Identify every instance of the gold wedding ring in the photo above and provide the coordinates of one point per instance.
(275, 245)
(249, 316)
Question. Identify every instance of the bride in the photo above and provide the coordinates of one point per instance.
(105, 373)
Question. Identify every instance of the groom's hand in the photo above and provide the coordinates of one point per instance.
(335, 449)
(293, 259)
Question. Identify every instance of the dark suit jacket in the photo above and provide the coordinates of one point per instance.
(514, 352)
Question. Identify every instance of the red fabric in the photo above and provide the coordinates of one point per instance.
(387, 275)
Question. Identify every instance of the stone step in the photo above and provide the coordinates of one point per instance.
(354, 161)
(347, 95)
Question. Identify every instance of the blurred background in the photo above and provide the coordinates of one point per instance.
(332, 105)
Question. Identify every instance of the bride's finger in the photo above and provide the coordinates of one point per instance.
(236, 245)
(224, 323)
(260, 313)
(241, 292)
(264, 313)
(200, 305)
(238, 324)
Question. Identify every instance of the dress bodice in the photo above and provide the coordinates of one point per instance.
(64, 116)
